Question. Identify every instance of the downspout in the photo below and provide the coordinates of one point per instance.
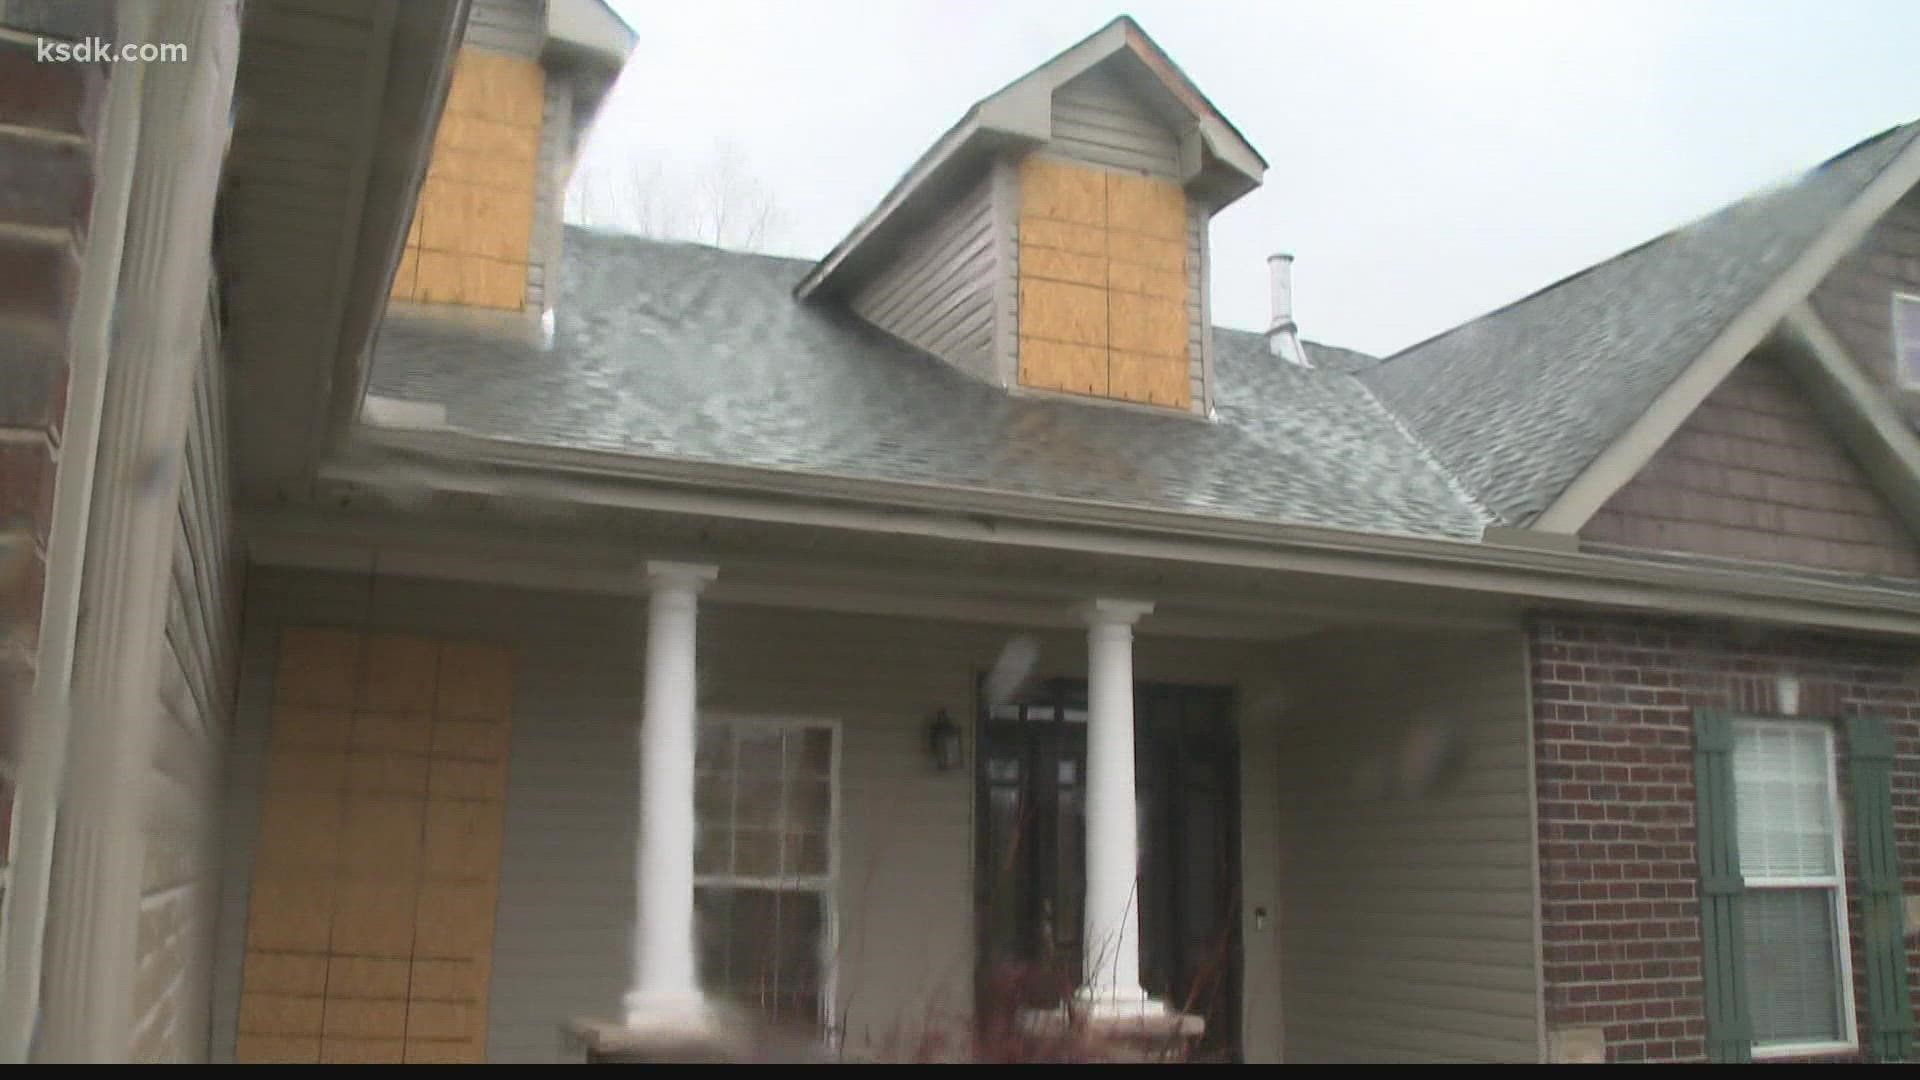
(44, 743)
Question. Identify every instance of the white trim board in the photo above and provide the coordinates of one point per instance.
(1902, 377)
(455, 463)
(769, 577)
(1855, 410)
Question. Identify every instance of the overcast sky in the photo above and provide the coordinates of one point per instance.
(1429, 161)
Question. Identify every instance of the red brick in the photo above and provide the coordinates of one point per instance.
(26, 487)
(1614, 697)
(62, 98)
(38, 278)
(45, 183)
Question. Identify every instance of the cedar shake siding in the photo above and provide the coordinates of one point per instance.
(1614, 700)
(1753, 474)
(1856, 299)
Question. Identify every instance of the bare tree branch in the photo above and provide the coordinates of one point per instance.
(723, 204)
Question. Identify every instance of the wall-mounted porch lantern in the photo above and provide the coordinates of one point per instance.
(1786, 688)
(943, 741)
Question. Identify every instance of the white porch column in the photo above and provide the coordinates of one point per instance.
(665, 987)
(1112, 921)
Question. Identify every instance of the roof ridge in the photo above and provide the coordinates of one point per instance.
(1459, 487)
(622, 236)
(1912, 128)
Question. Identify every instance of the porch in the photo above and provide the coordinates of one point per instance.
(1380, 905)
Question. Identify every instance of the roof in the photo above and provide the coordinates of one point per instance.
(1518, 402)
(690, 353)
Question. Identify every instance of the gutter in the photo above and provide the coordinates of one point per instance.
(406, 86)
(386, 458)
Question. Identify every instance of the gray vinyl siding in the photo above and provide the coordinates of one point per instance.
(1096, 119)
(1409, 931)
(180, 883)
(904, 900)
(1005, 180)
(550, 186)
(1198, 319)
(938, 293)
(509, 26)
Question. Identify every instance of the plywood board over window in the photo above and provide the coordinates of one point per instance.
(370, 924)
(1103, 283)
(473, 225)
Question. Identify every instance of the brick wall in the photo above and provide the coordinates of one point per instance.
(48, 114)
(1613, 703)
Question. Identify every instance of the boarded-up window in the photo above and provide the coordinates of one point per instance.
(370, 922)
(1103, 284)
(473, 225)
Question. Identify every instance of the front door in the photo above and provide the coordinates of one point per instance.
(1031, 772)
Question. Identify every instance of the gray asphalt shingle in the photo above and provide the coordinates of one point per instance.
(694, 354)
(1518, 402)
(691, 353)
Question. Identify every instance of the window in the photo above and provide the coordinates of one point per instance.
(1906, 340)
(764, 863)
(1798, 970)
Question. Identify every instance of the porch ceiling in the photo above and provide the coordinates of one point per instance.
(334, 104)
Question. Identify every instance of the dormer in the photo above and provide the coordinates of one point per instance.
(1055, 240)
(528, 79)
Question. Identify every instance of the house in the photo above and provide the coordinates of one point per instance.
(455, 635)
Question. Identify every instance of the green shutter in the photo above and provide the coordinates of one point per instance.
(1722, 931)
(1883, 941)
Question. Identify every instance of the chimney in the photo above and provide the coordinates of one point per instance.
(1283, 336)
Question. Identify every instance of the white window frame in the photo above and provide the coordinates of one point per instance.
(1901, 378)
(1837, 882)
(828, 884)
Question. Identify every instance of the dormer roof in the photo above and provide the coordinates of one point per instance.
(1217, 163)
